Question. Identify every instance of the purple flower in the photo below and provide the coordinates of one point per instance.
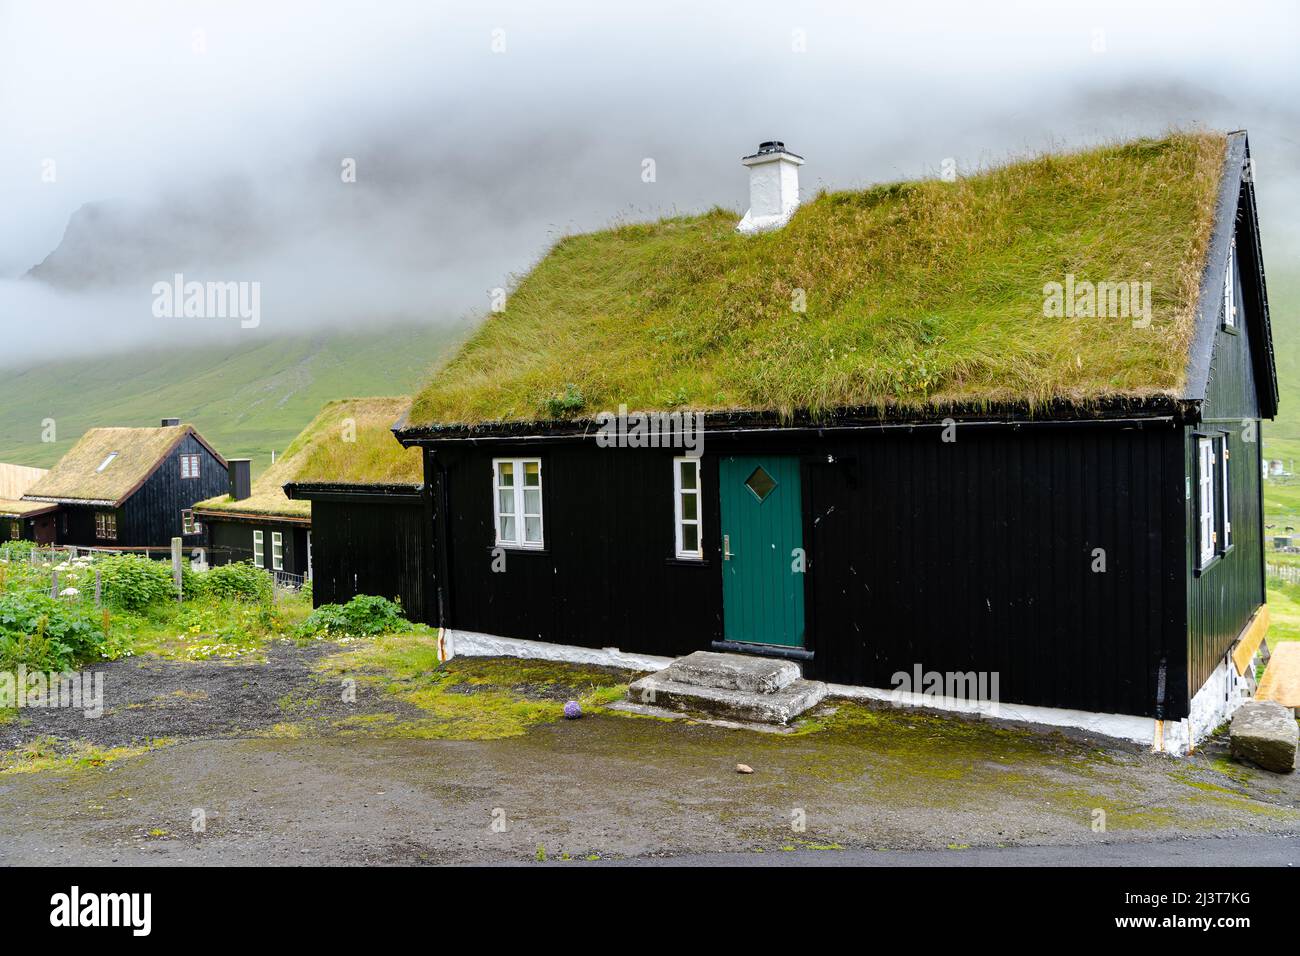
(572, 711)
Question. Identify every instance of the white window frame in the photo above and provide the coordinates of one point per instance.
(520, 514)
(189, 524)
(1230, 289)
(277, 551)
(680, 522)
(259, 549)
(1206, 499)
(189, 466)
(1225, 456)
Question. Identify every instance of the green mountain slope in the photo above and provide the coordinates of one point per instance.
(247, 399)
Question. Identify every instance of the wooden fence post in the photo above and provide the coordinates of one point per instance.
(54, 583)
(98, 587)
(176, 566)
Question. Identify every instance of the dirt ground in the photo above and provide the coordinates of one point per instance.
(471, 762)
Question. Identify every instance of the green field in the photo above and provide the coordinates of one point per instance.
(247, 400)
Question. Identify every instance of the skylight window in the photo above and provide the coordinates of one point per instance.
(106, 462)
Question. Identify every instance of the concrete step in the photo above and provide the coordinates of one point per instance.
(771, 707)
(755, 675)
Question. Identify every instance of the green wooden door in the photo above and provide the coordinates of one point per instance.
(762, 526)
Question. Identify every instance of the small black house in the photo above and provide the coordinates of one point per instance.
(24, 520)
(131, 488)
(369, 510)
(254, 521)
(1005, 426)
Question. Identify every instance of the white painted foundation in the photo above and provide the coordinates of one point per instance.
(1214, 703)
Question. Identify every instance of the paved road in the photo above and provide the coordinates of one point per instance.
(1210, 852)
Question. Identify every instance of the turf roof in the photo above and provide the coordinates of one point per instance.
(86, 473)
(322, 453)
(917, 294)
(12, 508)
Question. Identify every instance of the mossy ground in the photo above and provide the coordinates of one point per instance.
(47, 753)
(462, 699)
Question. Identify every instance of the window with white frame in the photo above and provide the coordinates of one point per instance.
(1225, 516)
(259, 549)
(1206, 499)
(189, 466)
(1229, 289)
(106, 525)
(517, 493)
(277, 550)
(687, 520)
(188, 524)
(108, 460)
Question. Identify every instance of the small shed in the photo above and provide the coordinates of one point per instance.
(369, 511)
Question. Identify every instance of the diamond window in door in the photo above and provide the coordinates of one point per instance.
(760, 483)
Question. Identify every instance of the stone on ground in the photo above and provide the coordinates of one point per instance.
(1265, 733)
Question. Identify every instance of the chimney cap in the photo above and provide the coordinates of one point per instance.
(170, 422)
(771, 149)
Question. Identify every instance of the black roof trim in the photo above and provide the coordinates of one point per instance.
(1119, 410)
(338, 491)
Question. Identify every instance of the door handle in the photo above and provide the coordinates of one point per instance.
(726, 547)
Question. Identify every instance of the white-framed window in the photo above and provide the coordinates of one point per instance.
(1206, 499)
(277, 551)
(517, 501)
(687, 517)
(188, 524)
(189, 466)
(106, 525)
(1229, 289)
(106, 462)
(1225, 517)
(259, 549)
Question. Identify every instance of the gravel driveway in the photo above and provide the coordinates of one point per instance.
(281, 769)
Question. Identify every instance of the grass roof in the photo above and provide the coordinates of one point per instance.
(916, 294)
(350, 442)
(85, 473)
(13, 508)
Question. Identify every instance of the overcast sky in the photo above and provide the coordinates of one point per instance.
(211, 135)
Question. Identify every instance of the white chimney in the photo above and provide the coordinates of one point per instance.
(773, 187)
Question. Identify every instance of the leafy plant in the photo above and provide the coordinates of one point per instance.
(243, 581)
(133, 583)
(364, 615)
(44, 633)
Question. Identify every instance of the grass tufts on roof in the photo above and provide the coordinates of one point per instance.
(349, 442)
(914, 294)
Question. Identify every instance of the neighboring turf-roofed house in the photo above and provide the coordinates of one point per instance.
(131, 487)
(24, 520)
(1005, 426)
(369, 512)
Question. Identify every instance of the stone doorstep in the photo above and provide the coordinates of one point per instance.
(777, 707)
(754, 675)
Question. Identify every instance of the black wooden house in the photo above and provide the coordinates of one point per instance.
(971, 479)
(131, 488)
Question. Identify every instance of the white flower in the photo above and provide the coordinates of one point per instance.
(69, 592)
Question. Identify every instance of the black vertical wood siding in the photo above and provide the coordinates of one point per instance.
(970, 555)
(232, 540)
(365, 547)
(1222, 598)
